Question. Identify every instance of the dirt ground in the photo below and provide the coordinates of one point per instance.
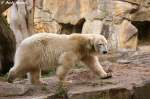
(129, 70)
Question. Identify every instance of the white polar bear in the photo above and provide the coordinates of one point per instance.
(46, 50)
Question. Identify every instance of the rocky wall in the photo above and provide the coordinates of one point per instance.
(116, 15)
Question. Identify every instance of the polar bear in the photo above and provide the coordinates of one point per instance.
(48, 50)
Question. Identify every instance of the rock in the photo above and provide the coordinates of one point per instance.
(65, 17)
(94, 26)
(20, 19)
(123, 9)
(7, 89)
(43, 22)
(127, 35)
(49, 27)
(141, 15)
(134, 1)
(66, 11)
(114, 93)
(39, 3)
(42, 15)
(146, 3)
(96, 15)
(144, 48)
(23, 90)
(94, 23)
(129, 81)
(122, 61)
(62, 16)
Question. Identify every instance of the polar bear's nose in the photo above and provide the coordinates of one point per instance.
(104, 52)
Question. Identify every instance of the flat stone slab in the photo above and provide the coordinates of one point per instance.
(7, 89)
(129, 81)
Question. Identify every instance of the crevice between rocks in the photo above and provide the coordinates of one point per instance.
(69, 28)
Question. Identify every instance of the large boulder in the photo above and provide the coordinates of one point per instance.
(122, 9)
(94, 26)
(141, 15)
(43, 21)
(127, 35)
(66, 12)
(12, 89)
(69, 11)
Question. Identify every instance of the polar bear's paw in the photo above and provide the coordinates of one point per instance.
(107, 75)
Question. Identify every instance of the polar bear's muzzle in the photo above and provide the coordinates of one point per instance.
(103, 48)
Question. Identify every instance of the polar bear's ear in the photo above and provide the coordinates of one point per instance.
(91, 43)
(94, 44)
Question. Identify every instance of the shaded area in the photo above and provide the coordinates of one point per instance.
(105, 30)
(143, 31)
(7, 46)
(69, 28)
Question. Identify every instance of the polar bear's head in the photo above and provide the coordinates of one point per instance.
(100, 44)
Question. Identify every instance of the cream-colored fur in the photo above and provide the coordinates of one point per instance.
(47, 50)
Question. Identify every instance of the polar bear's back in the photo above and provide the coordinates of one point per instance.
(42, 49)
(46, 38)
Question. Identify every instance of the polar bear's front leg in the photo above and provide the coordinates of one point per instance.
(67, 60)
(93, 63)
